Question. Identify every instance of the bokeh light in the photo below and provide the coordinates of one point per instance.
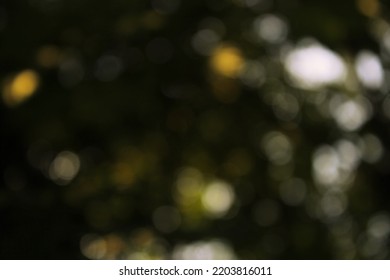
(311, 65)
(350, 114)
(20, 87)
(270, 28)
(369, 70)
(227, 61)
(170, 129)
(204, 250)
(218, 198)
(64, 167)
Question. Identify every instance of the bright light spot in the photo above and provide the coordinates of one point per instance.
(369, 70)
(379, 226)
(372, 148)
(293, 191)
(218, 198)
(166, 219)
(335, 166)
(266, 212)
(204, 250)
(277, 148)
(314, 66)
(350, 114)
(20, 87)
(326, 165)
(226, 61)
(271, 28)
(64, 167)
(24, 84)
(253, 74)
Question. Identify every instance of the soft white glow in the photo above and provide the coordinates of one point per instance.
(218, 198)
(349, 155)
(326, 165)
(314, 66)
(271, 28)
(369, 70)
(351, 114)
(204, 250)
(64, 167)
(335, 166)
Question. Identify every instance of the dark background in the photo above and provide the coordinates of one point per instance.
(123, 104)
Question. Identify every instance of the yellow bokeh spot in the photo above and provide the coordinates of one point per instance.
(227, 61)
(20, 87)
(369, 8)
